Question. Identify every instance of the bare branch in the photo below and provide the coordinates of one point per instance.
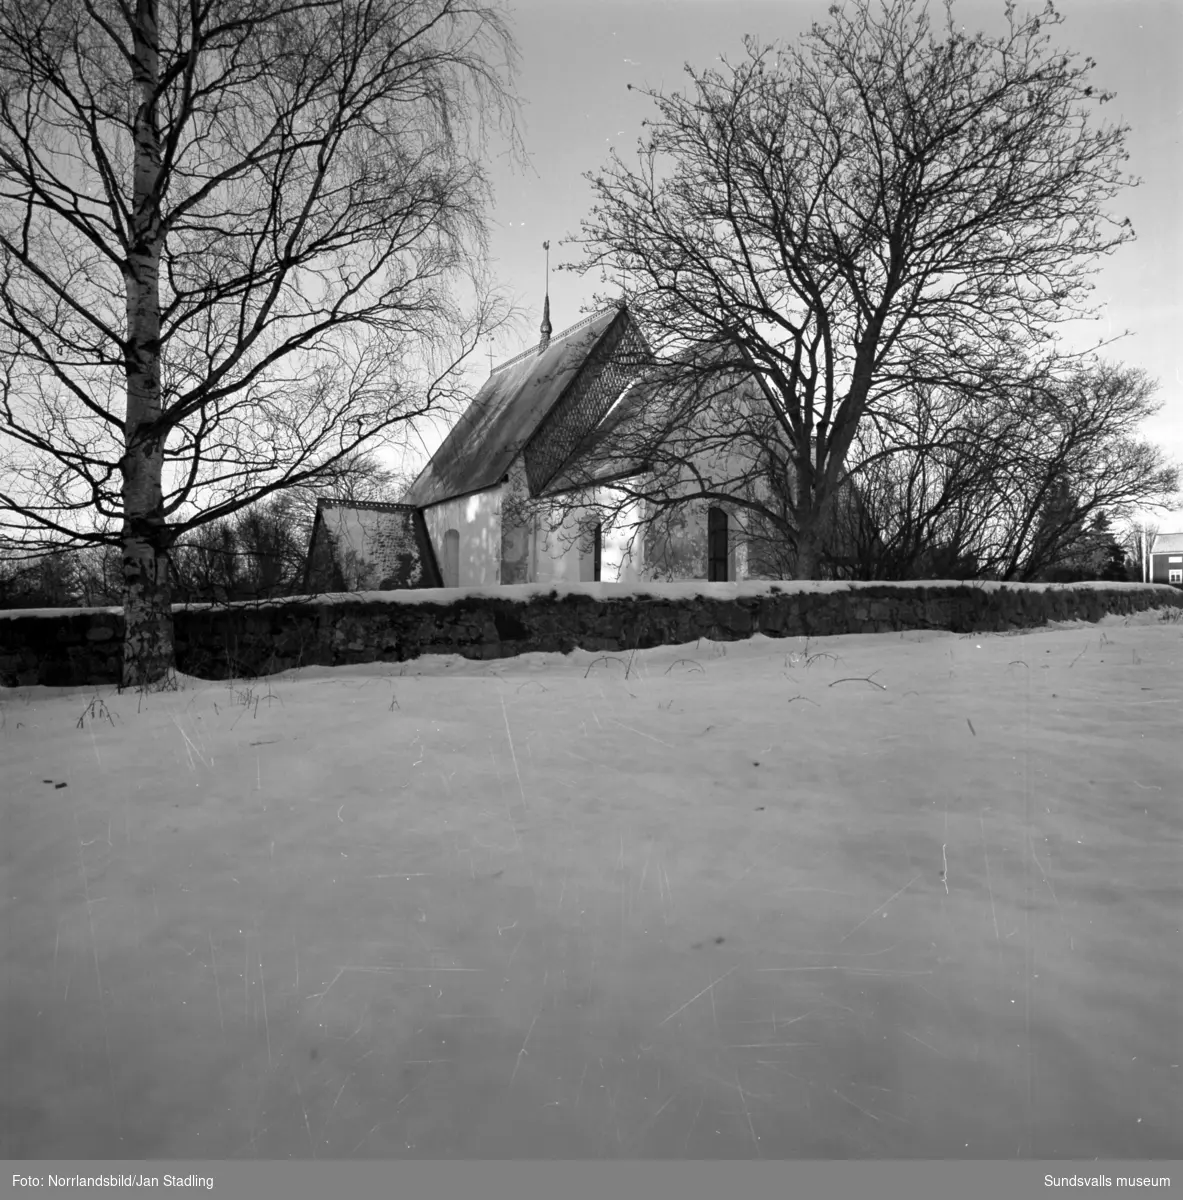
(241, 243)
(890, 201)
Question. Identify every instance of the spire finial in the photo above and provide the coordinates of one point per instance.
(545, 328)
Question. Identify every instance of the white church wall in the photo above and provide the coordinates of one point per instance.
(516, 549)
(560, 552)
(677, 548)
(556, 554)
(622, 550)
(676, 545)
(477, 520)
(566, 558)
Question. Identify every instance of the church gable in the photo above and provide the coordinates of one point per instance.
(509, 412)
(610, 367)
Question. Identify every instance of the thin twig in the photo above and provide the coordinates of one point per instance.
(861, 679)
(691, 661)
(604, 658)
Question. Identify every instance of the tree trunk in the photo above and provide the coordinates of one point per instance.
(147, 588)
(147, 601)
(812, 537)
(809, 552)
(813, 520)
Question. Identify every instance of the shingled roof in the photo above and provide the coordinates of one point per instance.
(1168, 543)
(619, 445)
(510, 408)
(609, 451)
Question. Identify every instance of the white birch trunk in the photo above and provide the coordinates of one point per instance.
(147, 604)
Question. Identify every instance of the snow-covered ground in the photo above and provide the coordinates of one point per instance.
(908, 895)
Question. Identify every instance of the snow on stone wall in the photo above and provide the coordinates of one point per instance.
(73, 647)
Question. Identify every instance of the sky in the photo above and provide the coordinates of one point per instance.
(577, 60)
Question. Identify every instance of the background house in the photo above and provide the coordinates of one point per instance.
(1166, 558)
(526, 487)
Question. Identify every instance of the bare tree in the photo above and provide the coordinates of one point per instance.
(920, 476)
(269, 540)
(1137, 538)
(1009, 486)
(691, 428)
(890, 201)
(49, 580)
(207, 566)
(1073, 453)
(358, 477)
(240, 240)
(258, 552)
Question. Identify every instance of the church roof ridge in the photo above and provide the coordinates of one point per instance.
(558, 337)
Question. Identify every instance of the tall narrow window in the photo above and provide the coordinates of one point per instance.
(590, 543)
(716, 545)
(452, 558)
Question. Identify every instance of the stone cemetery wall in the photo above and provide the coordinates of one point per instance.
(78, 647)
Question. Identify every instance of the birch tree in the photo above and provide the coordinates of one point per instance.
(240, 241)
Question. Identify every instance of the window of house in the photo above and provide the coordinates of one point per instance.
(1175, 576)
(452, 558)
(716, 545)
(590, 553)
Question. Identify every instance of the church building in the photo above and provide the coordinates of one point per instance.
(513, 493)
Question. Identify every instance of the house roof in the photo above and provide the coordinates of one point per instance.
(1168, 543)
(507, 412)
(364, 505)
(605, 453)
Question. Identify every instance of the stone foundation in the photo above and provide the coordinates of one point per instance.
(79, 647)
